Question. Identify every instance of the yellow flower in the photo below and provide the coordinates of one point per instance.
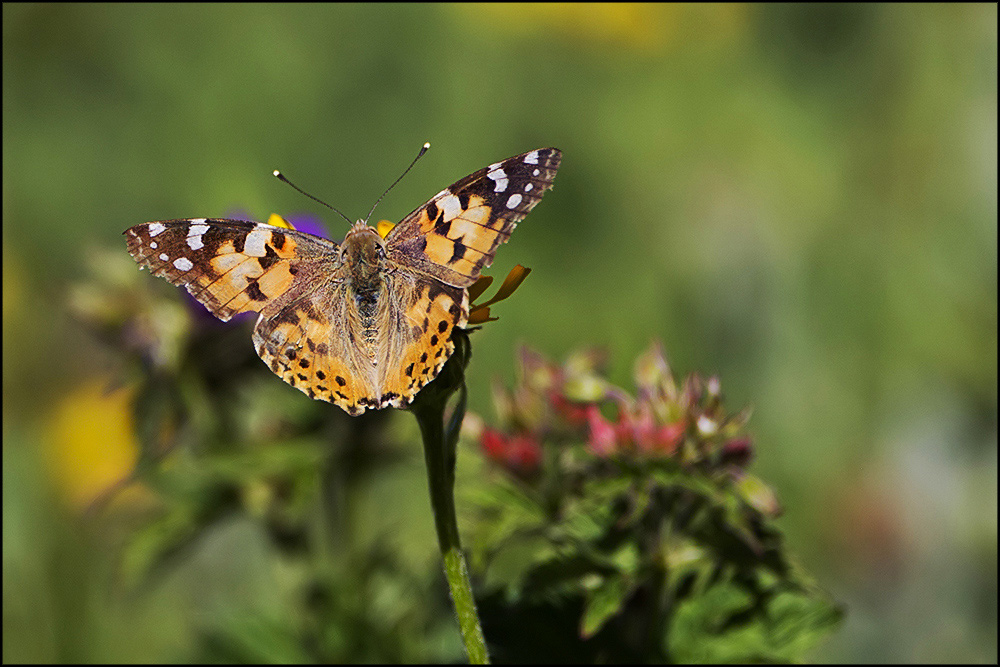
(278, 221)
(384, 227)
(91, 444)
(638, 26)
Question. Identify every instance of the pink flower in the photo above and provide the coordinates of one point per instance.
(640, 428)
(603, 438)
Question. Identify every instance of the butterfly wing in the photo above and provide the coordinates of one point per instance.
(417, 322)
(294, 280)
(231, 266)
(454, 236)
(440, 249)
(312, 344)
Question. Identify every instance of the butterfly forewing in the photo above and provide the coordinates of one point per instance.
(231, 266)
(454, 236)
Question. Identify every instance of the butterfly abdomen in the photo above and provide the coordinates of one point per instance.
(367, 301)
(363, 254)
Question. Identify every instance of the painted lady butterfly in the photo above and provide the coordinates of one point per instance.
(366, 323)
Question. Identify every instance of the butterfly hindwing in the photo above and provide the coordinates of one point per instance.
(417, 339)
(454, 236)
(309, 343)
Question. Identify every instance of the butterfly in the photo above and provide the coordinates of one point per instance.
(365, 323)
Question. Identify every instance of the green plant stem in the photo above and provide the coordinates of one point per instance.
(440, 444)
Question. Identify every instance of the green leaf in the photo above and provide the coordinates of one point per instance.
(604, 602)
(731, 622)
(252, 639)
(759, 495)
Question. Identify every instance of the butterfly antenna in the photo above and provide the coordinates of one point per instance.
(281, 177)
(419, 155)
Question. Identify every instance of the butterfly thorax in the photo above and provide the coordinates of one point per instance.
(363, 254)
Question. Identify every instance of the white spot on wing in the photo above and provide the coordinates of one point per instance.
(254, 245)
(183, 264)
(500, 176)
(513, 201)
(531, 158)
(156, 228)
(194, 235)
(153, 245)
(528, 187)
(451, 206)
(163, 256)
(462, 226)
(535, 173)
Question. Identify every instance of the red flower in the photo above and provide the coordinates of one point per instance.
(520, 453)
(524, 453)
(669, 436)
(737, 452)
(575, 414)
(493, 443)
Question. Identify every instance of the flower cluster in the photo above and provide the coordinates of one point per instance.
(627, 513)
(575, 402)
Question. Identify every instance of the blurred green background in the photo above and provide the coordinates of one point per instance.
(802, 199)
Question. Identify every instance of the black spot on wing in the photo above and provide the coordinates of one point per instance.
(254, 291)
(269, 258)
(458, 253)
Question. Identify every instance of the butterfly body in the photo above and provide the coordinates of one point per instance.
(362, 324)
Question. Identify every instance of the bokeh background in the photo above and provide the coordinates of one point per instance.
(802, 199)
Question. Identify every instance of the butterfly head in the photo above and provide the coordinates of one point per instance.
(363, 252)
